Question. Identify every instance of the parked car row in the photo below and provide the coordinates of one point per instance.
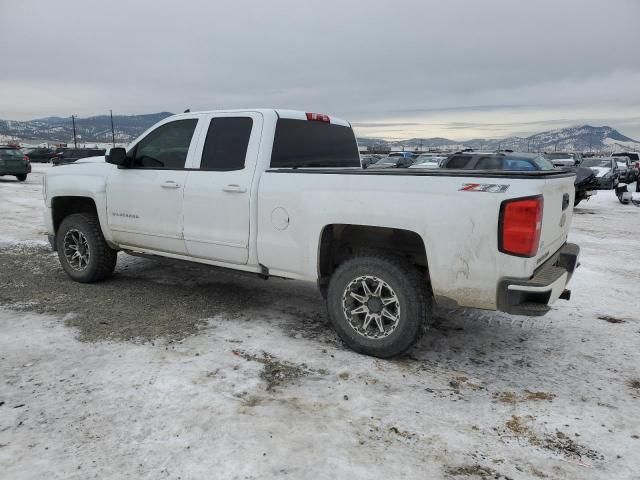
(61, 155)
(592, 173)
(609, 171)
(69, 155)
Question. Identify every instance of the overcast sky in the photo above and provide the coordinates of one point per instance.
(396, 69)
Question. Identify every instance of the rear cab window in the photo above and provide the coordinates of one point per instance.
(306, 143)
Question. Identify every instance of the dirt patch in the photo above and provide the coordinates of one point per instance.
(539, 396)
(634, 383)
(277, 373)
(463, 381)
(402, 433)
(513, 398)
(518, 425)
(128, 306)
(505, 397)
(610, 319)
(477, 471)
(559, 442)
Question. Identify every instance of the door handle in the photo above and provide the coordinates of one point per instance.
(233, 188)
(170, 184)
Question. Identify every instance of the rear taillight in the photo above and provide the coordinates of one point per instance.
(318, 117)
(520, 225)
(26, 158)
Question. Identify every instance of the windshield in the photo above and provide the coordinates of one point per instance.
(387, 160)
(596, 162)
(632, 156)
(543, 164)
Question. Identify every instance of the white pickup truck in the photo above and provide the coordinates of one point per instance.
(282, 193)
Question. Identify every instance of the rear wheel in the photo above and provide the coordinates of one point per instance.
(83, 252)
(21, 178)
(378, 304)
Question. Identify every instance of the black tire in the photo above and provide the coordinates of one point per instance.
(101, 259)
(21, 178)
(413, 303)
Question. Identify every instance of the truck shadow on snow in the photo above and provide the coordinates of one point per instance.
(147, 301)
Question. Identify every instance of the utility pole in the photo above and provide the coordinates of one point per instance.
(113, 134)
(75, 141)
(528, 142)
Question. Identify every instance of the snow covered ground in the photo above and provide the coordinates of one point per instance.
(178, 372)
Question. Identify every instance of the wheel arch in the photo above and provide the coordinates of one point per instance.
(65, 205)
(338, 242)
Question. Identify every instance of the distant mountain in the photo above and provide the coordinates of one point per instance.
(88, 130)
(128, 127)
(583, 138)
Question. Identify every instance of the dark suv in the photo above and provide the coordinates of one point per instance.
(14, 162)
(69, 155)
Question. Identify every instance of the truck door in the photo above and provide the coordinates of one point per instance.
(218, 195)
(145, 200)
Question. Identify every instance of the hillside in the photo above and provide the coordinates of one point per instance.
(91, 129)
(582, 138)
(98, 130)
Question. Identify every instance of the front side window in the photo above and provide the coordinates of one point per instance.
(166, 147)
(225, 147)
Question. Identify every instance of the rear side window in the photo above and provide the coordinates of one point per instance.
(302, 143)
(457, 161)
(225, 147)
(166, 147)
(489, 163)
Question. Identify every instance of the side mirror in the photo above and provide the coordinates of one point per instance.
(117, 156)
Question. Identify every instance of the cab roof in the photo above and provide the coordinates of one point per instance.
(280, 112)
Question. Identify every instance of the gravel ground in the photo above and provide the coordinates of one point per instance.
(171, 371)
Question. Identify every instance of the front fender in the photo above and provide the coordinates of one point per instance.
(84, 185)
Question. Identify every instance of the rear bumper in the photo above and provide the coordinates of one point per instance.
(533, 296)
(15, 170)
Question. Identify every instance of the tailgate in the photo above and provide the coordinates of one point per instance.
(558, 196)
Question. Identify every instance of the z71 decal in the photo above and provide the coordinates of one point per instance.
(484, 187)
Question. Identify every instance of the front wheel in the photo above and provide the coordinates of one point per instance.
(83, 252)
(378, 304)
(21, 178)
